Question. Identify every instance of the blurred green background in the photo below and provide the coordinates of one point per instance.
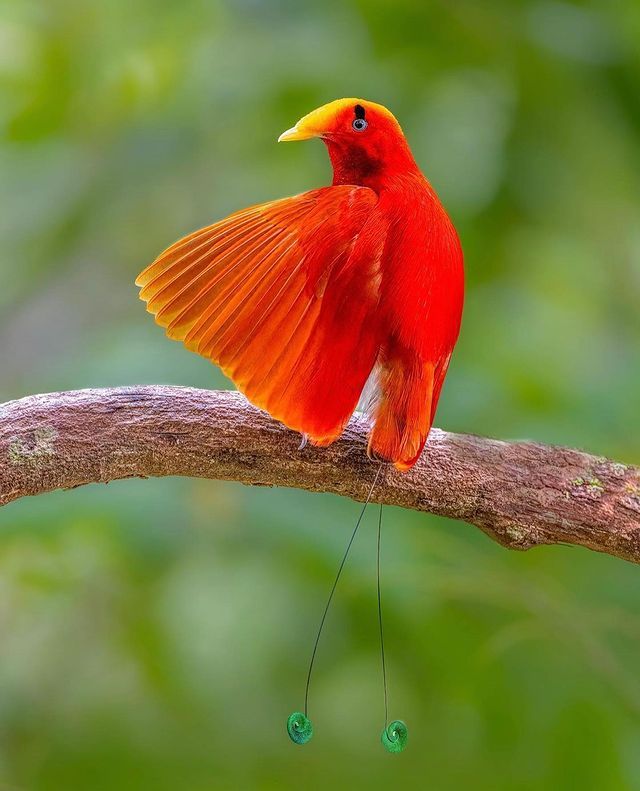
(155, 634)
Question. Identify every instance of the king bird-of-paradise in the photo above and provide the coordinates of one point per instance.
(309, 302)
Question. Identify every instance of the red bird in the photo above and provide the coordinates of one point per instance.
(303, 301)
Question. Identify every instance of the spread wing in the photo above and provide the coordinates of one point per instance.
(282, 296)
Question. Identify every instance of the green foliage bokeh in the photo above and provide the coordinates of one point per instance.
(155, 634)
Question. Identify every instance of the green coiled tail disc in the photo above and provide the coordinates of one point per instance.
(394, 737)
(299, 728)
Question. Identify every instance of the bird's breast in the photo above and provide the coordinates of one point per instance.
(422, 269)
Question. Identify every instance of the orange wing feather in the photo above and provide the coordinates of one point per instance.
(282, 296)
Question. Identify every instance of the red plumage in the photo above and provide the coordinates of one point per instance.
(301, 300)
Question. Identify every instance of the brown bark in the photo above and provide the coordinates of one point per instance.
(521, 494)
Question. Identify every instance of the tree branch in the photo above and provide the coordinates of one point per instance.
(521, 494)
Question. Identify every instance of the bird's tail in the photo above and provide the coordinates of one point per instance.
(403, 412)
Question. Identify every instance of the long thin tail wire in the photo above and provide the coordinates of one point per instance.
(335, 585)
(384, 666)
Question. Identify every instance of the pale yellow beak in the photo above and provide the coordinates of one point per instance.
(317, 123)
(298, 132)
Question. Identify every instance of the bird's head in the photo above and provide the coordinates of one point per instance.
(365, 142)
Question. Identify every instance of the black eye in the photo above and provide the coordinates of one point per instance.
(359, 124)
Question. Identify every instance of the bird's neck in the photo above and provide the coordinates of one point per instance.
(374, 168)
